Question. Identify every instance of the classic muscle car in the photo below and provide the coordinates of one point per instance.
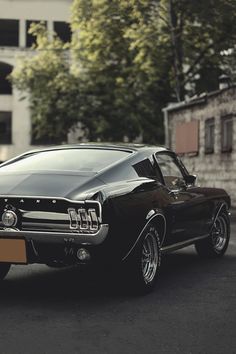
(123, 205)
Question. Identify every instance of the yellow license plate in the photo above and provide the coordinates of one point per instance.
(12, 251)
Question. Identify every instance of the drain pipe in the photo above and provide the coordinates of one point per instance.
(166, 127)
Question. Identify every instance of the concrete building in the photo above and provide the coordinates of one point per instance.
(203, 131)
(15, 19)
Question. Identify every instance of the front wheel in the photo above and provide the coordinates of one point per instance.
(216, 244)
(4, 269)
(144, 264)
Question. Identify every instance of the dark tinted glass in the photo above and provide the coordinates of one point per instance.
(209, 135)
(5, 127)
(63, 31)
(9, 33)
(145, 169)
(86, 160)
(227, 134)
(5, 84)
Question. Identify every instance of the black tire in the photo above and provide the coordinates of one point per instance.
(217, 243)
(144, 263)
(4, 269)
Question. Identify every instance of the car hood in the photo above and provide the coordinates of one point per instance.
(48, 184)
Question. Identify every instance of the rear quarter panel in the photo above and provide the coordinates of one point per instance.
(127, 213)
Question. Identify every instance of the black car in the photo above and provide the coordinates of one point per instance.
(106, 205)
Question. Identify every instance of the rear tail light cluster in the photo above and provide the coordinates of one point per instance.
(84, 220)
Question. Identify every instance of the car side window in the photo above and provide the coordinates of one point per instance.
(172, 174)
(145, 168)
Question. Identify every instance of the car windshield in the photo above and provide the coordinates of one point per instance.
(90, 160)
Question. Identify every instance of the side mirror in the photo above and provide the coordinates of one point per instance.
(190, 180)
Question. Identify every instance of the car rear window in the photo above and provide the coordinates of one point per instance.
(87, 160)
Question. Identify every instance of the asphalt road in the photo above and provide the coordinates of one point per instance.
(192, 310)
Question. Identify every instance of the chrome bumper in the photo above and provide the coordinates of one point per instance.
(53, 237)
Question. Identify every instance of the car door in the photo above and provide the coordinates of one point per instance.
(184, 210)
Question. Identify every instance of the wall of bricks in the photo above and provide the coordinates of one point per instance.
(217, 169)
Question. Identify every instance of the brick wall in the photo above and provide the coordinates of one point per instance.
(217, 169)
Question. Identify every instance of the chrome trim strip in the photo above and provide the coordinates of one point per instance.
(54, 199)
(150, 213)
(79, 238)
(47, 197)
(217, 213)
(164, 234)
(182, 244)
(34, 249)
(74, 224)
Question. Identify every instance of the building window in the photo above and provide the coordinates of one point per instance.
(227, 134)
(9, 33)
(209, 135)
(5, 84)
(5, 127)
(62, 29)
(30, 40)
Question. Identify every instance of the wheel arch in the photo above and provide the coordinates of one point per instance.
(221, 207)
(160, 222)
(158, 219)
(217, 243)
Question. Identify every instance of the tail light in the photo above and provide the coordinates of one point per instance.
(83, 219)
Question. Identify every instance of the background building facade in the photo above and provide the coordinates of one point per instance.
(15, 19)
(203, 131)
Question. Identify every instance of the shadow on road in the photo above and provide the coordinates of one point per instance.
(47, 286)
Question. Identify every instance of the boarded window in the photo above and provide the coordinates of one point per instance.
(5, 127)
(227, 134)
(9, 33)
(209, 135)
(63, 30)
(187, 137)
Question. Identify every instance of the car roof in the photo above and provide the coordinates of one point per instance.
(134, 149)
(109, 146)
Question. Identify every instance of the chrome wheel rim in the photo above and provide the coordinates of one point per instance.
(219, 234)
(150, 257)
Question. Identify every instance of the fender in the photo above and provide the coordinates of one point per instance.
(152, 214)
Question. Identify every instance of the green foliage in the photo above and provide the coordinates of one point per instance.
(126, 61)
(123, 68)
(47, 78)
(198, 32)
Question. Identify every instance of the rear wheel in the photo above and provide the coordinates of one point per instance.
(143, 266)
(4, 269)
(216, 244)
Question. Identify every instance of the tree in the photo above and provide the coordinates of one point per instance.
(126, 61)
(102, 59)
(47, 78)
(124, 70)
(199, 32)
